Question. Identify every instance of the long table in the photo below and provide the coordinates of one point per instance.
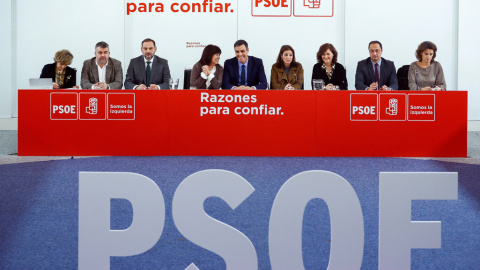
(242, 123)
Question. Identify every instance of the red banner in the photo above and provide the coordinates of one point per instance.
(243, 123)
(392, 124)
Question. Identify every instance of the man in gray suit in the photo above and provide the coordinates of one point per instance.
(102, 71)
(376, 72)
(147, 71)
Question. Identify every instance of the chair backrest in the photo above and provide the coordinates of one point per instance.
(402, 76)
(186, 78)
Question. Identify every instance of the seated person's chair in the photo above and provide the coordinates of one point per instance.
(402, 76)
(186, 78)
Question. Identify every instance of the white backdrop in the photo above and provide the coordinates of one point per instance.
(40, 28)
(6, 56)
(401, 26)
(171, 32)
(468, 56)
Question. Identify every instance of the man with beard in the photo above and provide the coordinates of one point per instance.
(102, 71)
(147, 71)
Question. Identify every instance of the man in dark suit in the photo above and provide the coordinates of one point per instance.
(102, 71)
(375, 72)
(243, 72)
(147, 71)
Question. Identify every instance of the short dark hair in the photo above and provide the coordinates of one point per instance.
(240, 42)
(149, 40)
(375, 42)
(101, 44)
(323, 49)
(208, 52)
(426, 45)
(279, 62)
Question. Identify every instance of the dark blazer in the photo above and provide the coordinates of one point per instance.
(365, 75)
(255, 73)
(198, 81)
(136, 73)
(339, 76)
(70, 79)
(113, 76)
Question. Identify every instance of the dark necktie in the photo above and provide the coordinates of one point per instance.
(148, 73)
(377, 76)
(242, 76)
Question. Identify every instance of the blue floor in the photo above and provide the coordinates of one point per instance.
(39, 211)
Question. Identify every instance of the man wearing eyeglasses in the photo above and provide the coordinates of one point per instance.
(375, 72)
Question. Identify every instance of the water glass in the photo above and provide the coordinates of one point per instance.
(318, 84)
(173, 83)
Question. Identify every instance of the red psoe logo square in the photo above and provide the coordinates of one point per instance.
(63, 106)
(363, 107)
(313, 8)
(92, 106)
(271, 8)
(421, 107)
(121, 106)
(393, 107)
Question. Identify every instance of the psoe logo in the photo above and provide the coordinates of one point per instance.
(312, 3)
(297, 8)
(393, 107)
(92, 106)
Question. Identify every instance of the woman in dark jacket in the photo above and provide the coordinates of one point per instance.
(207, 73)
(329, 70)
(62, 76)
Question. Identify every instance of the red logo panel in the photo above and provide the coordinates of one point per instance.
(363, 107)
(92, 106)
(121, 106)
(313, 8)
(421, 107)
(63, 106)
(271, 8)
(393, 107)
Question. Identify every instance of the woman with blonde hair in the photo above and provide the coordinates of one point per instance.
(61, 74)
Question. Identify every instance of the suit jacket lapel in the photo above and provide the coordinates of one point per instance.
(370, 71)
(141, 65)
(108, 73)
(94, 70)
(236, 71)
(155, 67)
(249, 71)
(382, 73)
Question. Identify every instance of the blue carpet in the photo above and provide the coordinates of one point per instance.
(39, 211)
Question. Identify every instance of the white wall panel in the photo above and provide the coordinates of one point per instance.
(265, 36)
(44, 27)
(468, 56)
(401, 26)
(6, 56)
(171, 32)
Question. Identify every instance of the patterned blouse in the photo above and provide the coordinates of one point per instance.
(59, 77)
(329, 74)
